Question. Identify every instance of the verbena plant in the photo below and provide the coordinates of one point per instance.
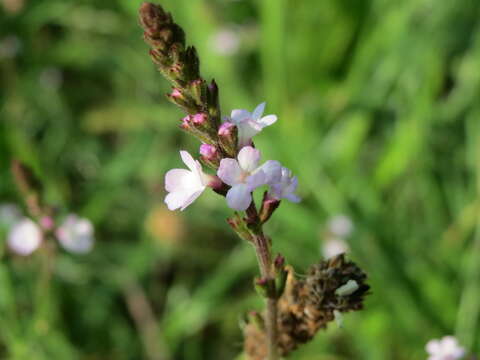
(295, 308)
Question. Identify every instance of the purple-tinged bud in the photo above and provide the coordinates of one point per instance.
(265, 287)
(269, 205)
(228, 136)
(198, 89)
(208, 151)
(210, 155)
(186, 122)
(226, 129)
(279, 261)
(281, 274)
(200, 119)
(176, 94)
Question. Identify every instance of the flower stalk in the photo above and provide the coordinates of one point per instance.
(228, 149)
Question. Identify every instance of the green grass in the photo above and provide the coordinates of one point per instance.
(379, 108)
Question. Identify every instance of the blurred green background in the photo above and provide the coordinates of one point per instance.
(379, 108)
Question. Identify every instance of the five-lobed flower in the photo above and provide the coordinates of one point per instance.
(184, 186)
(244, 175)
(250, 124)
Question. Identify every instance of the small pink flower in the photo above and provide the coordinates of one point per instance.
(250, 124)
(184, 186)
(243, 175)
(285, 187)
(24, 237)
(446, 348)
(75, 234)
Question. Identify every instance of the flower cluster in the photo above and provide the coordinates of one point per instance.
(242, 174)
(24, 235)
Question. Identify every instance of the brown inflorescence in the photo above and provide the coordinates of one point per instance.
(308, 305)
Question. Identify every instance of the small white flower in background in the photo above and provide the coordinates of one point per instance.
(24, 237)
(184, 186)
(446, 348)
(250, 124)
(9, 214)
(244, 175)
(340, 225)
(285, 187)
(225, 42)
(75, 234)
(333, 246)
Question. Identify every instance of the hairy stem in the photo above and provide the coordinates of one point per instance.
(264, 256)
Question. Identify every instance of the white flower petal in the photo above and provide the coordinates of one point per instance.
(176, 200)
(272, 170)
(256, 180)
(248, 158)
(239, 197)
(24, 237)
(189, 160)
(191, 199)
(238, 116)
(181, 179)
(258, 112)
(229, 171)
(267, 120)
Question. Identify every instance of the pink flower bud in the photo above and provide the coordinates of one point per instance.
(226, 129)
(47, 222)
(176, 94)
(186, 121)
(199, 119)
(209, 152)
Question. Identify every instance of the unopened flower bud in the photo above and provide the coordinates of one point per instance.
(200, 119)
(228, 135)
(198, 90)
(264, 287)
(238, 225)
(210, 155)
(176, 94)
(269, 205)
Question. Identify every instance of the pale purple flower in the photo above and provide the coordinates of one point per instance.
(184, 186)
(285, 187)
(250, 124)
(333, 246)
(244, 175)
(75, 234)
(24, 237)
(446, 348)
(340, 225)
